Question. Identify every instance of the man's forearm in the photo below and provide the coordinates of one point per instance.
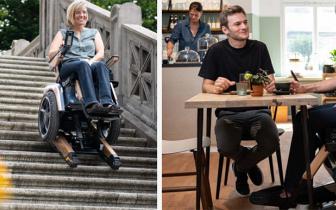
(208, 88)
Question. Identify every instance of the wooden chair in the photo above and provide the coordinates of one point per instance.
(227, 166)
(178, 146)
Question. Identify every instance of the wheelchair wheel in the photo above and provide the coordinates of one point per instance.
(48, 117)
(111, 131)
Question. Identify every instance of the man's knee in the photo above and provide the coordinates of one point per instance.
(266, 133)
(228, 137)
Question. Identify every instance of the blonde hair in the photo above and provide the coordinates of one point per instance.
(72, 8)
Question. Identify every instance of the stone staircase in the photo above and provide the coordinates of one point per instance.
(40, 177)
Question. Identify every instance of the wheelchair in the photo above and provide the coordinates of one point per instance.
(64, 123)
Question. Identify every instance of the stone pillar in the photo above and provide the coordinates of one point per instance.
(127, 13)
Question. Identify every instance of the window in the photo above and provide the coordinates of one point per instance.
(309, 35)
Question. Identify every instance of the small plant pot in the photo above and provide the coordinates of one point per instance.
(257, 90)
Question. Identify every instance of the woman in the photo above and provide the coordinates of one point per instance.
(322, 119)
(187, 32)
(84, 59)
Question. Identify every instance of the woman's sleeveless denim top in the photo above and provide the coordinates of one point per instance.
(82, 48)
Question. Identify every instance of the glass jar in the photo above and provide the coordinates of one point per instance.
(187, 56)
(204, 43)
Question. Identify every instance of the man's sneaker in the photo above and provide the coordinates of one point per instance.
(242, 186)
(255, 175)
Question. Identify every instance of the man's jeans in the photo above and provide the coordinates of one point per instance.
(88, 76)
(232, 127)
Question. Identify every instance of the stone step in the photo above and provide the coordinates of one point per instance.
(86, 159)
(13, 128)
(31, 135)
(98, 171)
(85, 196)
(17, 88)
(16, 101)
(23, 145)
(36, 205)
(24, 67)
(28, 72)
(24, 62)
(82, 183)
(20, 83)
(19, 109)
(14, 94)
(22, 58)
(19, 77)
(18, 117)
(29, 131)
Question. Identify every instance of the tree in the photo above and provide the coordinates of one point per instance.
(19, 19)
(148, 8)
(302, 43)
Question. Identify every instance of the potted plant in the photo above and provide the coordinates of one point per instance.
(258, 81)
(333, 56)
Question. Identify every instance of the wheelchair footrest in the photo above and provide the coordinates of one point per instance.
(113, 161)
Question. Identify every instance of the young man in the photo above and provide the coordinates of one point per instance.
(220, 69)
(187, 32)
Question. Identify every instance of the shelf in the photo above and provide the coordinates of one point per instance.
(186, 11)
(214, 30)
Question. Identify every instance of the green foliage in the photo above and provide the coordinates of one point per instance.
(19, 19)
(333, 55)
(260, 78)
(148, 8)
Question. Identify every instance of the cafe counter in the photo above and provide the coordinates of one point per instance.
(179, 82)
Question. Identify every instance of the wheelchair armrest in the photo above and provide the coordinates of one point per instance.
(112, 60)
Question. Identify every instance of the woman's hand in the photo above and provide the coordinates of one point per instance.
(296, 87)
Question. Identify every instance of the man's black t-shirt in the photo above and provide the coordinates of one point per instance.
(223, 60)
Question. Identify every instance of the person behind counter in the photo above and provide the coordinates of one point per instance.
(188, 31)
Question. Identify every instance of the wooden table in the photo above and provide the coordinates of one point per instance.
(208, 101)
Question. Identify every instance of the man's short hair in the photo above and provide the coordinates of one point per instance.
(228, 11)
(72, 8)
(196, 6)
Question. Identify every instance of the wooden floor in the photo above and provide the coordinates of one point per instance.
(229, 199)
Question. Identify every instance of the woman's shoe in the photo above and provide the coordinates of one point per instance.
(111, 108)
(72, 160)
(95, 109)
(271, 197)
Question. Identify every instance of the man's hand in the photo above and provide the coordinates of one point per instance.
(296, 87)
(270, 87)
(221, 84)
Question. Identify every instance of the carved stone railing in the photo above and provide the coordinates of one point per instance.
(135, 45)
(33, 49)
(139, 56)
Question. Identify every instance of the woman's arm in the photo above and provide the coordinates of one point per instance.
(55, 45)
(99, 48)
(316, 87)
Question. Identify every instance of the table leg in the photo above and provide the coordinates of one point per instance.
(199, 153)
(306, 151)
(208, 132)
